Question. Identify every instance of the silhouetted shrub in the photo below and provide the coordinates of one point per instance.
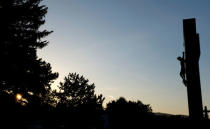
(78, 102)
(123, 113)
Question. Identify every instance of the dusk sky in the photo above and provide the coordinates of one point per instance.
(128, 47)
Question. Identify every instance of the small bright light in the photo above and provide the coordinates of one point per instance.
(18, 96)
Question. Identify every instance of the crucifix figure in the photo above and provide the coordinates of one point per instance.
(183, 69)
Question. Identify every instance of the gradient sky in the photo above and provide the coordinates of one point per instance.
(128, 47)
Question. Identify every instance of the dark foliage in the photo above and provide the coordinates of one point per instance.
(21, 70)
(78, 102)
(123, 113)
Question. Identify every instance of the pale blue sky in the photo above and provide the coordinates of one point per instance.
(128, 47)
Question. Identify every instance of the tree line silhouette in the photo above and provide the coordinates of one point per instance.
(26, 97)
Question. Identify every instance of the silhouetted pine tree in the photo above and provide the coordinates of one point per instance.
(21, 70)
